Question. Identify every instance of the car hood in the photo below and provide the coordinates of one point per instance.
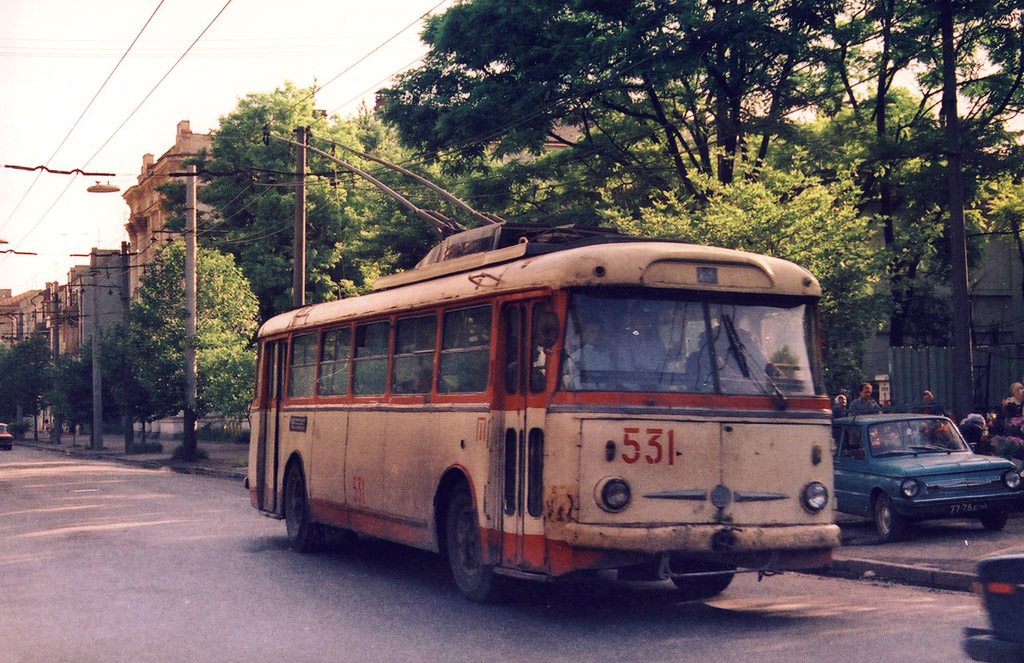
(941, 463)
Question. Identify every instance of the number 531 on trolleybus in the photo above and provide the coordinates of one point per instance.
(535, 405)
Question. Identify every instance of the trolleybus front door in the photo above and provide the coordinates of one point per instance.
(267, 445)
(523, 386)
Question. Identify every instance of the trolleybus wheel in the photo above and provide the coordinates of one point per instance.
(304, 535)
(695, 588)
(890, 525)
(472, 576)
(994, 520)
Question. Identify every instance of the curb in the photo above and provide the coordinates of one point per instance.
(910, 574)
(148, 464)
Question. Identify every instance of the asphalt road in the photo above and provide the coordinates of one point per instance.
(102, 562)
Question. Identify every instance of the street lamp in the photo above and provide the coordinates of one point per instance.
(103, 188)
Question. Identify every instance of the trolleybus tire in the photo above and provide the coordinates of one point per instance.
(696, 588)
(890, 525)
(472, 576)
(304, 534)
(994, 520)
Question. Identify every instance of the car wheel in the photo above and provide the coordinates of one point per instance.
(890, 525)
(472, 576)
(696, 588)
(994, 520)
(304, 534)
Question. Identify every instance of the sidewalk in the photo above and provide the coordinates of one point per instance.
(940, 554)
(227, 460)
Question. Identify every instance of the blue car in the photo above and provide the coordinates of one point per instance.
(898, 468)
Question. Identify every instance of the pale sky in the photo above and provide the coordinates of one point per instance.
(56, 54)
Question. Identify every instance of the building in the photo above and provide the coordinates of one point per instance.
(20, 315)
(148, 215)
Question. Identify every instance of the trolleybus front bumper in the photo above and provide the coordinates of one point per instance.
(710, 538)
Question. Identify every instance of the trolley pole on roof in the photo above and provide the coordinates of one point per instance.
(299, 266)
(189, 414)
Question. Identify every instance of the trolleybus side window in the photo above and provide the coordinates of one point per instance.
(465, 350)
(543, 334)
(510, 323)
(413, 365)
(370, 364)
(302, 371)
(334, 362)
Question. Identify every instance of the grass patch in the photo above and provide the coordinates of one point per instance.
(179, 453)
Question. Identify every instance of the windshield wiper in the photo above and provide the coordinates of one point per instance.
(931, 447)
(886, 454)
(736, 345)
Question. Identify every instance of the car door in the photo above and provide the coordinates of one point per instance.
(851, 471)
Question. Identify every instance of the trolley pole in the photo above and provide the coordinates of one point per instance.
(299, 265)
(189, 414)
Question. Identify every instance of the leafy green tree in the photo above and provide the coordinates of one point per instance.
(225, 326)
(26, 374)
(797, 218)
(353, 231)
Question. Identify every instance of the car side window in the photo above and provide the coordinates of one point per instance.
(852, 445)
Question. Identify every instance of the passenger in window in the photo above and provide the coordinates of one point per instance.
(590, 364)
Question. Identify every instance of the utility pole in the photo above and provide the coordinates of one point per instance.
(55, 422)
(299, 267)
(189, 415)
(963, 357)
(97, 378)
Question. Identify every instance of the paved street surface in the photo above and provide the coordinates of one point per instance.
(108, 562)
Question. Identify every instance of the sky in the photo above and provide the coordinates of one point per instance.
(55, 56)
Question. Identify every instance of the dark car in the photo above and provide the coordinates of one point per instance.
(6, 439)
(1001, 582)
(898, 468)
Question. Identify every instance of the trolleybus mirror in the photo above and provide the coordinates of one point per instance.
(546, 329)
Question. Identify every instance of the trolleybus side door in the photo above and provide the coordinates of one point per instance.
(523, 384)
(268, 440)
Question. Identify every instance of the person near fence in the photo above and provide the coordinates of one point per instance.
(839, 406)
(929, 405)
(1011, 408)
(865, 404)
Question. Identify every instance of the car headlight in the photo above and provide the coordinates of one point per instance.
(613, 494)
(909, 488)
(814, 497)
(1011, 479)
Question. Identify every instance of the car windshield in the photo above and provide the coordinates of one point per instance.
(3, 428)
(622, 342)
(913, 436)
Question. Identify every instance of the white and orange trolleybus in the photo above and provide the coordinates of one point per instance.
(536, 403)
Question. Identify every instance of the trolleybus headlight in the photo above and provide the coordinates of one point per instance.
(613, 494)
(1011, 479)
(909, 488)
(814, 497)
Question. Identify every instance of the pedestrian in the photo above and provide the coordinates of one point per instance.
(864, 404)
(929, 405)
(839, 406)
(975, 432)
(1010, 408)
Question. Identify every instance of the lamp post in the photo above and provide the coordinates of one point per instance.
(97, 375)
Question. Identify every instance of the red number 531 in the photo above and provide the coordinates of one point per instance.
(653, 450)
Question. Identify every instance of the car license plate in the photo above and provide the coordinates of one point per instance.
(966, 507)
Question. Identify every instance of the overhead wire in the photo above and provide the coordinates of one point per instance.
(82, 114)
(121, 126)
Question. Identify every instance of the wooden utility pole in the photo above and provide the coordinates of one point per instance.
(189, 414)
(299, 266)
(963, 357)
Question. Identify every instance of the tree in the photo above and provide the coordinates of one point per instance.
(353, 231)
(26, 374)
(226, 324)
(797, 218)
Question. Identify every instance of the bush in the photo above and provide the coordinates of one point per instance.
(19, 428)
(179, 453)
(146, 448)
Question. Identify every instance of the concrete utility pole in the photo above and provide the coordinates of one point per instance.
(55, 422)
(963, 357)
(299, 268)
(189, 415)
(97, 378)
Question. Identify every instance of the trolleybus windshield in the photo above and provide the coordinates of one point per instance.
(619, 342)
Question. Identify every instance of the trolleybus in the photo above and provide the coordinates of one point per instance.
(536, 404)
